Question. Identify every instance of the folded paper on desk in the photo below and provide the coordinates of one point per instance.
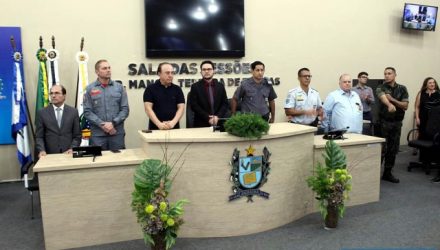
(86, 151)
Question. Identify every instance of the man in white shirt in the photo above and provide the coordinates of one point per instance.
(303, 104)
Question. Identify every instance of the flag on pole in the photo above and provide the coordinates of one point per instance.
(52, 56)
(19, 122)
(42, 86)
(53, 78)
(83, 79)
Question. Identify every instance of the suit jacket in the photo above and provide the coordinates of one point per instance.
(50, 137)
(199, 102)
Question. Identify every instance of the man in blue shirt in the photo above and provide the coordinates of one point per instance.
(343, 108)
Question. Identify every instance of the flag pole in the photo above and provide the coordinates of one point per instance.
(81, 47)
(14, 48)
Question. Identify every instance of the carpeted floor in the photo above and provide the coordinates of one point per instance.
(407, 216)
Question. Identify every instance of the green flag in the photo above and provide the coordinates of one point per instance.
(42, 87)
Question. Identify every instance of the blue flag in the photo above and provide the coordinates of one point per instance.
(19, 116)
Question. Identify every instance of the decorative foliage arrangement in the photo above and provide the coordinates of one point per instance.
(331, 182)
(247, 125)
(159, 219)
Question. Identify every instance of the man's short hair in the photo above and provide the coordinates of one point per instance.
(363, 73)
(63, 89)
(207, 62)
(391, 68)
(98, 63)
(159, 68)
(254, 64)
(301, 70)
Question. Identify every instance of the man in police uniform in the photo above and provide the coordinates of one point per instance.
(106, 108)
(303, 104)
(255, 94)
(393, 104)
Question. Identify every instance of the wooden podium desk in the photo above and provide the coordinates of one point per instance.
(88, 203)
(363, 162)
(204, 177)
(85, 203)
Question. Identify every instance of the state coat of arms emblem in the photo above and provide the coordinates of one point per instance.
(249, 173)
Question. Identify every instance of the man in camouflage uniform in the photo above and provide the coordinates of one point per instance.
(393, 103)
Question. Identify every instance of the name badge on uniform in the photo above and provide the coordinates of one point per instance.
(299, 98)
(94, 92)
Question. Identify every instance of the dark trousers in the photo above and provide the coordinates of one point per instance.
(266, 117)
(109, 142)
(391, 133)
(367, 128)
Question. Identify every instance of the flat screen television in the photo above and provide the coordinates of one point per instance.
(419, 17)
(194, 28)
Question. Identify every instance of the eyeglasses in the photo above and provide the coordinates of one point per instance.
(364, 77)
(207, 69)
(55, 93)
(307, 76)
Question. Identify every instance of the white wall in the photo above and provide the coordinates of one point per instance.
(329, 37)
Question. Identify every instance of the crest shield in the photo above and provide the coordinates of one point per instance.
(250, 171)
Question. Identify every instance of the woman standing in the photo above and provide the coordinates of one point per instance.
(427, 97)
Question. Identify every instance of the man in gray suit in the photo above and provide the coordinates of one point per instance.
(58, 129)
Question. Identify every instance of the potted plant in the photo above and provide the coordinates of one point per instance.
(331, 182)
(159, 219)
(247, 125)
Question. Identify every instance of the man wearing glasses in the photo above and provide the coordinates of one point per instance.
(58, 129)
(303, 104)
(208, 99)
(367, 99)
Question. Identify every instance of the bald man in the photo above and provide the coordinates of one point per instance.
(343, 108)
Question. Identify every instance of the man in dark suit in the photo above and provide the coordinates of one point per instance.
(208, 99)
(58, 129)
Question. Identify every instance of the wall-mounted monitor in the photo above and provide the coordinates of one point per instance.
(194, 28)
(419, 17)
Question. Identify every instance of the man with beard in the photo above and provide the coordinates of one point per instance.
(164, 102)
(208, 99)
(393, 104)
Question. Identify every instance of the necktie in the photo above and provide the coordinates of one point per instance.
(59, 117)
(211, 97)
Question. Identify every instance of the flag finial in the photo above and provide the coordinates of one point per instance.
(14, 46)
(53, 42)
(41, 42)
(81, 47)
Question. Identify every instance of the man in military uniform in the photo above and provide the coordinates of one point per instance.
(106, 108)
(255, 94)
(393, 104)
(303, 104)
